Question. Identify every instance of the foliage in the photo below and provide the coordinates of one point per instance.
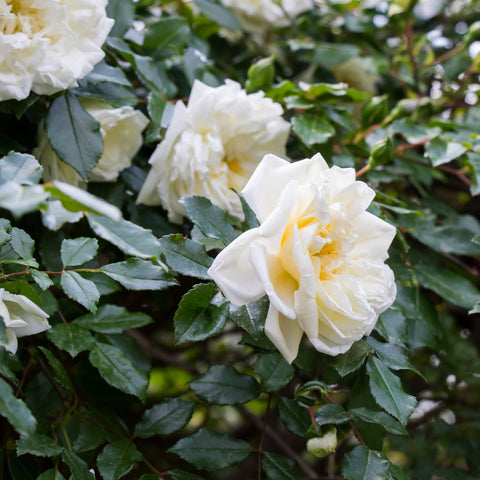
(147, 370)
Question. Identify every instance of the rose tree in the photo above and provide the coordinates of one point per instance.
(239, 240)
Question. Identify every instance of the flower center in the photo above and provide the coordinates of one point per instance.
(17, 16)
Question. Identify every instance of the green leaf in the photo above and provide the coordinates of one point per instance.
(23, 244)
(450, 285)
(71, 338)
(364, 464)
(117, 459)
(353, 359)
(380, 418)
(20, 199)
(388, 392)
(78, 200)
(136, 274)
(422, 322)
(39, 445)
(130, 238)
(392, 326)
(251, 317)
(210, 450)
(113, 319)
(179, 475)
(223, 385)
(331, 414)
(20, 168)
(118, 371)
(168, 32)
(209, 218)
(394, 356)
(78, 251)
(186, 256)
(15, 411)
(78, 467)
(164, 418)
(312, 129)
(89, 436)
(294, 416)
(397, 473)
(273, 371)
(474, 161)
(51, 474)
(80, 289)
(218, 13)
(74, 134)
(59, 371)
(104, 73)
(278, 467)
(41, 279)
(441, 151)
(197, 318)
(123, 12)
(156, 106)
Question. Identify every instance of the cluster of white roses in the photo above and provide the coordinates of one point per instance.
(317, 254)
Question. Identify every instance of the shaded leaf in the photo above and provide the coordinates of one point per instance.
(117, 459)
(78, 466)
(113, 319)
(210, 450)
(74, 134)
(117, 370)
(71, 338)
(279, 467)
(80, 289)
(331, 413)
(39, 445)
(136, 274)
(273, 371)
(223, 385)
(164, 418)
(294, 416)
(197, 318)
(388, 392)
(364, 464)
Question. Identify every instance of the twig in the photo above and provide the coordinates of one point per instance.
(411, 54)
(281, 444)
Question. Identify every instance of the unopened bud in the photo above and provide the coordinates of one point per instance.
(381, 153)
(261, 74)
(404, 107)
(323, 446)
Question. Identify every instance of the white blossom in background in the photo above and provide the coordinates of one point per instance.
(261, 15)
(21, 317)
(121, 130)
(317, 254)
(213, 145)
(47, 45)
(358, 73)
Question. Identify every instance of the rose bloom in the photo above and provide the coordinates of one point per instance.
(213, 145)
(258, 15)
(46, 45)
(121, 130)
(317, 254)
(21, 317)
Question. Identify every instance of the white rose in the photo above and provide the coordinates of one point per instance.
(212, 145)
(121, 130)
(258, 15)
(317, 254)
(21, 317)
(46, 45)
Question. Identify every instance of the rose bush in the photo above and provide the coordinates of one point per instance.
(46, 46)
(213, 145)
(317, 254)
(20, 317)
(121, 130)
(256, 15)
